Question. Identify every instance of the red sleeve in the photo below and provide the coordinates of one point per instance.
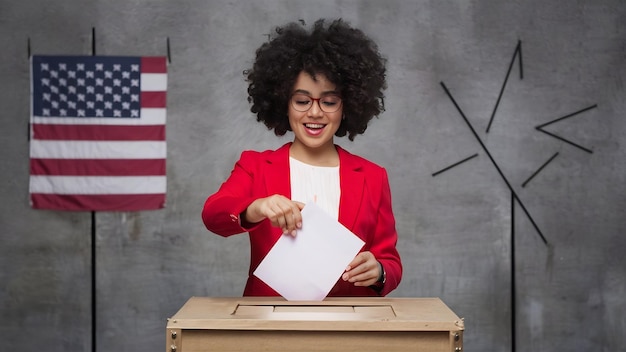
(221, 212)
(386, 238)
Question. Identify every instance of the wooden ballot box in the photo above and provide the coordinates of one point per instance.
(335, 324)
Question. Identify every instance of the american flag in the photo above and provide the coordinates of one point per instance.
(97, 133)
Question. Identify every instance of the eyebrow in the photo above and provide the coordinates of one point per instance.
(306, 92)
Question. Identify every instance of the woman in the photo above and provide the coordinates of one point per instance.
(319, 84)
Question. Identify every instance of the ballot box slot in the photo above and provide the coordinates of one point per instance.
(308, 311)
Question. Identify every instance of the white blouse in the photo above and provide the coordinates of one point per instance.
(318, 184)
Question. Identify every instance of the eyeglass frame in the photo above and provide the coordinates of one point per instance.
(318, 100)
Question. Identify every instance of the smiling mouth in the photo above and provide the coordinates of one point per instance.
(314, 126)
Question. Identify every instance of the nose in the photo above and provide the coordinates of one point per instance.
(316, 109)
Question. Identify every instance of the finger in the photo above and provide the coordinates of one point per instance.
(366, 277)
(276, 215)
(289, 217)
(364, 262)
(294, 216)
(362, 280)
(358, 260)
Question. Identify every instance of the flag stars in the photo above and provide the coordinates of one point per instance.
(91, 88)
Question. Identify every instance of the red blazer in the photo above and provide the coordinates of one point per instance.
(364, 208)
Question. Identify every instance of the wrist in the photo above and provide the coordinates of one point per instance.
(249, 215)
(382, 277)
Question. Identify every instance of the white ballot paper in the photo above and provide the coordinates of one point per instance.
(306, 267)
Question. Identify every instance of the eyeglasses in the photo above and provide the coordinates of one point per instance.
(328, 103)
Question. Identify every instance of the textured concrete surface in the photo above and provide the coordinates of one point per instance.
(455, 229)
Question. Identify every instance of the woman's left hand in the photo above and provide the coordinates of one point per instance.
(363, 270)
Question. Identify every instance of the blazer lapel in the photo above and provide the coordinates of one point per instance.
(352, 181)
(277, 175)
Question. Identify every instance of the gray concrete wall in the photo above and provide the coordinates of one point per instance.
(455, 229)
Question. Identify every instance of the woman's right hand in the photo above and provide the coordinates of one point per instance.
(280, 210)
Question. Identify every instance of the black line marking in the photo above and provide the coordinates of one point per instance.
(28, 53)
(517, 52)
(521, 66)
(93, 41)
(508, 184)
(540, 168)
(513, 270)
(565, 140)
(94, 287)
(455, 164)
(568, 116)
(169, 51)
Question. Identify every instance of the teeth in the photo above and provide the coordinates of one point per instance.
(313, 125)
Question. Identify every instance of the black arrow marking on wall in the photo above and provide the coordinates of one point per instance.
(455, 164)
(540, 128)
(516, 53)
(540, 168)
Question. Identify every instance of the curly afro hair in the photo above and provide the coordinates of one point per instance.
(344, 55)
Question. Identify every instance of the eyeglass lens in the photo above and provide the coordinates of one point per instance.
(303, 102)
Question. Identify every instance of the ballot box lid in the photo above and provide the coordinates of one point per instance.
(341, 314)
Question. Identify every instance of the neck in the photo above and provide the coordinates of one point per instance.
(323, 156)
